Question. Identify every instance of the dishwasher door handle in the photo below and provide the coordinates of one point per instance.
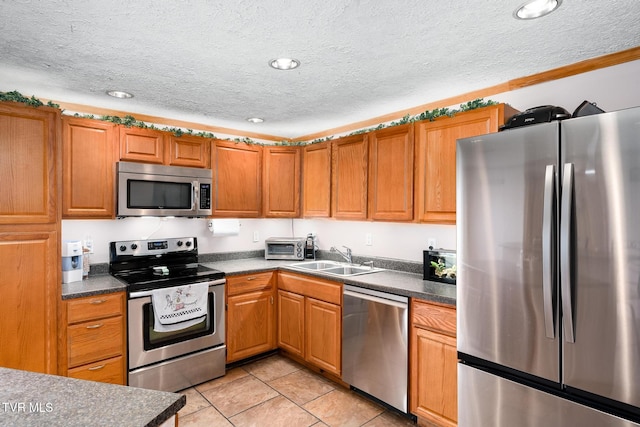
(375, 299)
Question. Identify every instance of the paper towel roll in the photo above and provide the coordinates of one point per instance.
(224, 227)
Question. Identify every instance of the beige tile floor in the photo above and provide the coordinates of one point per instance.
(276, 391)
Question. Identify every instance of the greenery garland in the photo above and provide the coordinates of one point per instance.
(130, 121)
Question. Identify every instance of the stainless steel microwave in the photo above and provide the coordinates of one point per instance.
(284, 248)
(156, 190)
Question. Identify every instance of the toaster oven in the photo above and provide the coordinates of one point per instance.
(284, 248)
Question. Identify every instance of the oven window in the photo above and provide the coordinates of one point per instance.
(153, 339)
(281, 249)
(158, 194)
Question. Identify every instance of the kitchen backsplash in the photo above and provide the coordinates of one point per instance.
(399, 241)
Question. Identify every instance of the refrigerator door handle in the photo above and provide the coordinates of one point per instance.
(549, 252)
(565, 252)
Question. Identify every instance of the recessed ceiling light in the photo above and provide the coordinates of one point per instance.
(255, 120)
(284, 63)
(536, 9)
(119, 94)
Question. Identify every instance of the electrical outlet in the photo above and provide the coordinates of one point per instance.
(256, 236)
(368, 239)
(431, 242)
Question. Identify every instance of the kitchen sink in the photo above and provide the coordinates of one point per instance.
(335, 268)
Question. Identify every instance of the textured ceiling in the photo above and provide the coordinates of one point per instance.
(205, 61)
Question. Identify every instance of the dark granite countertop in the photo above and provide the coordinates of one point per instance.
(392, 281)
(94, 285)
(32, 399)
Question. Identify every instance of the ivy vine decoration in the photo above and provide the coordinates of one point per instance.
(15, 96)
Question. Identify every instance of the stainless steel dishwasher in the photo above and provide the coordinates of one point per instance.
(375, 344)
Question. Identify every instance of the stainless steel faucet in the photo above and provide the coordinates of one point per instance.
(346, 256)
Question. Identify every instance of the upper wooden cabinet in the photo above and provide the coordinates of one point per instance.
(316, 180)
(189, 150)
(29, 143)
(142, 145)
(89, 151)
(390, 191)
(237, 179)
(349, 177)
(281, 181)
(435, 193)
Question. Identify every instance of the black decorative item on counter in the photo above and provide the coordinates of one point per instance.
(440, 266)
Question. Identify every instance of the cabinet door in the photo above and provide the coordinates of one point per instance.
(89, 150)
(291, 322)
(29, 143)
(29, 285)
(323, 335)
(349, 177)
(237, 179)
(436, 159)
(391, 174)
(316, 180)
(250, 324)
(281, 195)
(189, 150)
(142, 145)
(434, 377)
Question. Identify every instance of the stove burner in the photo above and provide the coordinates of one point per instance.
(142, 268)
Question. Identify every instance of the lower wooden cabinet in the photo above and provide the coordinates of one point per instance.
(433, 364)
(310, 320)
(250, 315)
(94, 338)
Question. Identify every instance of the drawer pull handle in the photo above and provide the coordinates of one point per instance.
(251, 278)
(98, 301)
(96, 326)
(96, 368)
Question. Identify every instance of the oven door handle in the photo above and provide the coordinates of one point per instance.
(148, 293)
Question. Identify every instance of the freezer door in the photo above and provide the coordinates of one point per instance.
(488, 400)
(604, 248)
(502, 204)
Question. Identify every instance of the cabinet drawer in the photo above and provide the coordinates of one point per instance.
(104, 371)
(435, 317)
(248, 283)
(95, 340)
(95, 307)
(323, 290)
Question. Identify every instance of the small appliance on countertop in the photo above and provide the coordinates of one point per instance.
(310, 247)
(292, 248)
(440, 265)
(71, 261)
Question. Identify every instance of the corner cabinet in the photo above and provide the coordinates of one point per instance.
(237, 179)
(390, 192)
(435, 187)
(310, 320)
(433, 363)
(89, 151)
(29, 236)
(251, 315)
(349, 166)
(281, 182)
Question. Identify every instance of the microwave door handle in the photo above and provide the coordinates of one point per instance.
(195, 195)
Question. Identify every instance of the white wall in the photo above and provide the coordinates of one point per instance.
(612, 88)
(389, 240)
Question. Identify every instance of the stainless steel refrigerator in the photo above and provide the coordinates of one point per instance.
(548, 287)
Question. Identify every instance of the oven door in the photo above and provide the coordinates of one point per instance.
(147, 346)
